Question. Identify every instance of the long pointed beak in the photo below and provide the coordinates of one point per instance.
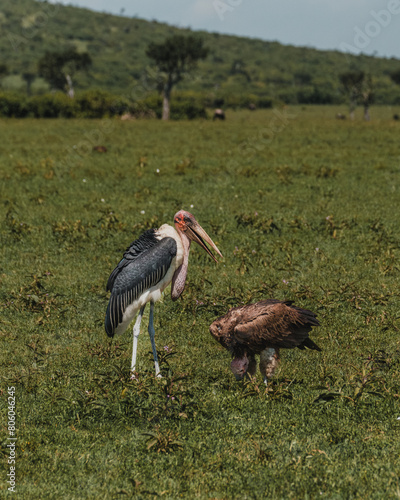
(196, 233)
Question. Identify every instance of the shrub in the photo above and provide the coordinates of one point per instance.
(12, 105)
(182, 107)
(96, 103)
(264, 102)
(153, 103)
(119, 105)
(52, 106)
(187, 109)
(314, 95)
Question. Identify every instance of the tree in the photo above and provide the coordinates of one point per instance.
(3, 70)
(176, 56)
(29, 77)
(239, 68)
(58, 68)
(352, 83)
(367, 95)
(302, 78)
(395, 76)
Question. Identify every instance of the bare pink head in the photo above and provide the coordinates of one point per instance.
(186, 223)
(239, 367)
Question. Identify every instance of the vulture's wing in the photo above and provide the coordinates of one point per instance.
(275, 324)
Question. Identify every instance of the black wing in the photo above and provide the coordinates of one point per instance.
(146, 241)
(145, 264)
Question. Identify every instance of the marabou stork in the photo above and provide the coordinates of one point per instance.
(263, 328)
(157, 258)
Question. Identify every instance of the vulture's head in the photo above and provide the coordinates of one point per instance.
(239, 367)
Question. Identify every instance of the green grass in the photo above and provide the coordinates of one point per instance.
(303, 207)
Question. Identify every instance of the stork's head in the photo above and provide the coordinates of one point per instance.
(186, 224)
(239, 367)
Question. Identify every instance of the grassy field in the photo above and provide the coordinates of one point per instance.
(303, 207)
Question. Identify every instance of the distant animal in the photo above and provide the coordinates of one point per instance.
(157, 258)
(396, 117)
(100, 149)
(127, 116)
(340, 116)
(263, 328)
(219, 114)
(252, 106)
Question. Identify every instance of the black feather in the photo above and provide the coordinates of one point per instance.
(144, 242)
(145, 263)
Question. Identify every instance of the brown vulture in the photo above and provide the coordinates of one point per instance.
(263, 328)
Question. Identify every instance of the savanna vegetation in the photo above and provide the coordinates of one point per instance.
(303, 207)
(237, 70)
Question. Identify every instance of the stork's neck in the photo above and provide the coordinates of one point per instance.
(179, 278)
(186, 249)
(185, 242)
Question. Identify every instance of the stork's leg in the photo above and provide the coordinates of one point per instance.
(136, 332)
(153, 342)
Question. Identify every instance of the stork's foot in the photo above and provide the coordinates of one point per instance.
(133, 376)
(158, 375)
(265, 381)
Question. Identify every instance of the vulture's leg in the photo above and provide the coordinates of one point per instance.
(136, 332)
(269, 361)
(153, 343)
(252, 368)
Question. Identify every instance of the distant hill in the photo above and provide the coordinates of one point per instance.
(117, 46)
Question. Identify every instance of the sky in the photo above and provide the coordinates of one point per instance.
(353, 26)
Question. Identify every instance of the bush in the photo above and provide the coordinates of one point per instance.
(182, 107)
(187, 109)
(12, 105)
(57, 105)
(314, 95)
(119, 106)
(96, 104)
(388, 96)
(264, 103)
(152, 103)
